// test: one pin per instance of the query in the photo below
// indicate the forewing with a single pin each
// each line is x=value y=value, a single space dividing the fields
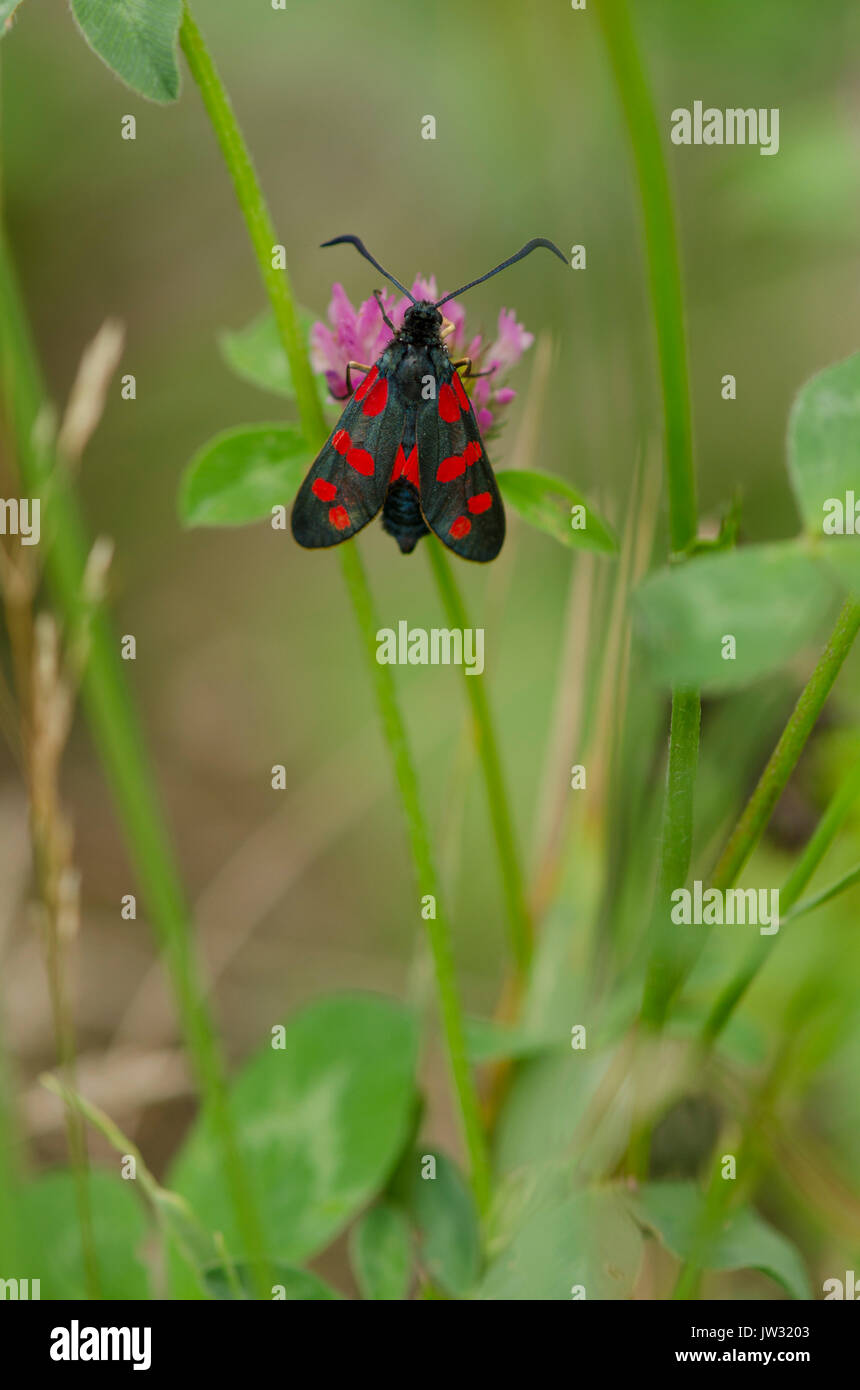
x=346 y=485
x=459 y=495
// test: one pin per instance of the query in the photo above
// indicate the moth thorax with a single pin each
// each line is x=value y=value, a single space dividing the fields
x=422 y=323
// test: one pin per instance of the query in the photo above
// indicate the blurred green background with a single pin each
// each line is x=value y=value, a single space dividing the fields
x=247 y=652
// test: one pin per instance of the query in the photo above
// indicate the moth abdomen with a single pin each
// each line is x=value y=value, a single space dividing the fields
x=401 y=515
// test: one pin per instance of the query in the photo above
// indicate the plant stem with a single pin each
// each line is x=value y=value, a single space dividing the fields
x=664 y=272
x=664 y=276
x=277 y=285
x=10 y=1177
x=117 y=734
x=817 y=846
x=781 y=763
x=826 y=895
x=255 y=211
x=427 y=881
x=676 y=838
x=519 y=922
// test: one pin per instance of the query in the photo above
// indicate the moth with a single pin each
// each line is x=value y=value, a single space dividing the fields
x=408 y=441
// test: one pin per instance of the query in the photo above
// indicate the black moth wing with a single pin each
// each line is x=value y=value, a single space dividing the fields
x=347 y=482
x=460 y=498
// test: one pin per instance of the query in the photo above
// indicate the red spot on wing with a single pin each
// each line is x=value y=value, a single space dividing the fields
x=339 y=518
x=323 y=490
x=367 y=384
x=461 y=527
x=449 y=406
x=410 y=467
x=341 y=441
x=361 y=461
x=480 y=502
x=472 y=452
x=451 y=467
x=375 y=402
x=406 y=467
x=460 y=391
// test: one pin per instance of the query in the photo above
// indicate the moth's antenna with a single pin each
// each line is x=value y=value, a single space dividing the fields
x=363 y=251
x=523 y=251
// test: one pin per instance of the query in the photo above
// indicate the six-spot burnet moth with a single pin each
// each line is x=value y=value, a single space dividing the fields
x=408 y=442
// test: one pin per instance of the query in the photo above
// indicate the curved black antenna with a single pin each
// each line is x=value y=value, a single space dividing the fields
x=523 y=251
x=363 y=251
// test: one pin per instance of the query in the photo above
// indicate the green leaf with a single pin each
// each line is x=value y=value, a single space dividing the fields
x=545 y=1107
x=442 y=1210
x=488 y=1041
x=240 y=475
x=172 y=1211
x=381 y=1254
x=842 y=555
x=544 y=501
x=137 y=39
x=7 y=11
x=824 y=441
x=770 y=598
x=256 y=353
x=48 y=1215
x=321 y=1122
x=586 y=1238
x=744 y=1241
x=297 y=1284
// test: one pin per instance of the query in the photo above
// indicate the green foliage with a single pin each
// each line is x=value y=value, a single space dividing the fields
x=488 y=1041
x=545 y=501
x=548 y=1239
x=7 y=12
x=137 y=39
x=823 y=449
x=321 y=1123
x=545 y=1106
x=770 y=598
x=297 y=1284
x=381 y=1253
x=171 y=1211
x=824 y=440
x=674 y=1210
x=442 y=1210
x=241 y=474
x=842 y=554
x=256 y=354
x=48 y=1221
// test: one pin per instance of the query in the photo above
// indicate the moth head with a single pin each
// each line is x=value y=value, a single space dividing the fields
x=423 y=316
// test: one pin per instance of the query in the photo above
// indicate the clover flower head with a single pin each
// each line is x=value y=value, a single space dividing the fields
x=359 y=335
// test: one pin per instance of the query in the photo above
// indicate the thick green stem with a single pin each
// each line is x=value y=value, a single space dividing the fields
x=117 y=733
x=783 y=759
x=438 y=930
x=519 y=922
x=278 y=289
